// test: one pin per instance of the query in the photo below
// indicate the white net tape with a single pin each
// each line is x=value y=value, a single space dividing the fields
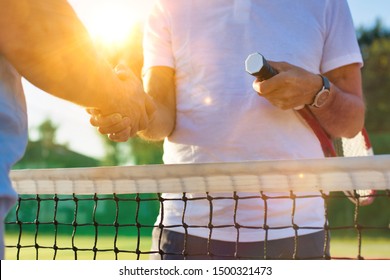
x=330 y=174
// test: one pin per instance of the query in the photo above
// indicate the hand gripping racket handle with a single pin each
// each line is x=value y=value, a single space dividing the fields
x=258 y=66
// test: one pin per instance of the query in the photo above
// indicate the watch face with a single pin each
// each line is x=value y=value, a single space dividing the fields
x=322 y=97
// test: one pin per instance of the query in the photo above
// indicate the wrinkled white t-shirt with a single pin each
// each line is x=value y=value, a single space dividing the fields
x=220 y=117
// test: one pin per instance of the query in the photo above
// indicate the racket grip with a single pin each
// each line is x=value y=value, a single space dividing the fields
x=258 y=66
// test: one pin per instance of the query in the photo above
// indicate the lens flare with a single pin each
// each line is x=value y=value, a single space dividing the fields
x=112 y=22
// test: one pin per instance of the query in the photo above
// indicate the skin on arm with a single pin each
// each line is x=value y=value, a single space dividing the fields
x=160 y=86
x=159 y=83
x=344 y=112
x=48 y=45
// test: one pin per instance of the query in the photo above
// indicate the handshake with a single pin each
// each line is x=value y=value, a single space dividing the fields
x=127 y=111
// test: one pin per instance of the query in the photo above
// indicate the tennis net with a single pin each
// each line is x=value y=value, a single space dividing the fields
x=110 y=212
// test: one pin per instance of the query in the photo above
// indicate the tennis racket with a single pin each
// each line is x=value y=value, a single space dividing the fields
x=360 y=145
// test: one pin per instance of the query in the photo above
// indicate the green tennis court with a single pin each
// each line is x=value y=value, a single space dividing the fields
x=372 y=248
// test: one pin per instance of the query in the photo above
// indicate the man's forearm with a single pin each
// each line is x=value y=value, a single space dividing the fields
x=46 y=42
x=343 y=115
x=159 y=84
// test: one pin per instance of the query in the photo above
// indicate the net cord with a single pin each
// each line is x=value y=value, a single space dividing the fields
x=328 y=174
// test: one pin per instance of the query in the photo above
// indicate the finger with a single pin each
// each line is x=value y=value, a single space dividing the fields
x=259 y=87
x=134 y=131
x=93 y=111
x=93 y=122
x=115 y=128
x=122 y=136
x=108 y=120
x=95 y=117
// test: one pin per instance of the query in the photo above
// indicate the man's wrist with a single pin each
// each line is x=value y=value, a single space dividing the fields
x=322 y=96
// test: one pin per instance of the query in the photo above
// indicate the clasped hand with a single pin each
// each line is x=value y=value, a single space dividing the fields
x=131 y=114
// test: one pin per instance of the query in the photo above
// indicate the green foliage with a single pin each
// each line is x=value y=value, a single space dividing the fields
x=367 y=36
x=376 y=85
x=115 y=153
x=145 y=152
x=380 y=142
x=135 y=151
x=375 y=45
x=39 y=156
x=46 y=153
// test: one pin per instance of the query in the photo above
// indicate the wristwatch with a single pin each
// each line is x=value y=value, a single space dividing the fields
x=323 y=95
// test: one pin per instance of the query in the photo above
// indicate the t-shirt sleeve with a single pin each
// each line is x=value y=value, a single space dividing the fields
x=157 y=38
x=341 y=46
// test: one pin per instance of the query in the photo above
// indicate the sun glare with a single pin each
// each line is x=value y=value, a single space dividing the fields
x=111 y=22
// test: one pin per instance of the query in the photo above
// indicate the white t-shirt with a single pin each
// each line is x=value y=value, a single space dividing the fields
x=13 y=125
x=220 y=117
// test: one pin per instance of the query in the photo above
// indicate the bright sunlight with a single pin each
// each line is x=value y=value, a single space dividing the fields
x=111 y=22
